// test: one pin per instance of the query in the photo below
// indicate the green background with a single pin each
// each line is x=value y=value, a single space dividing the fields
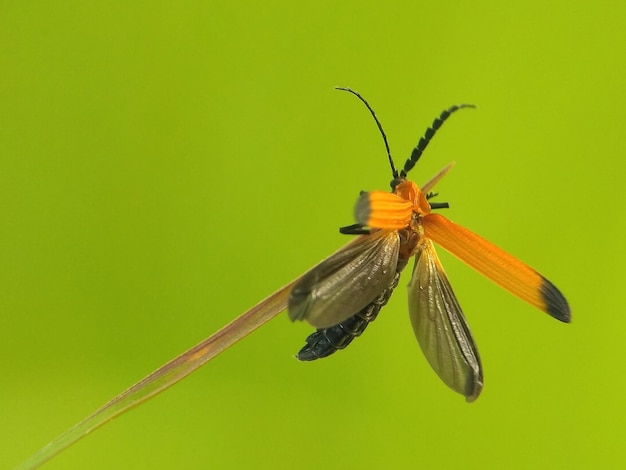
x=163 y=168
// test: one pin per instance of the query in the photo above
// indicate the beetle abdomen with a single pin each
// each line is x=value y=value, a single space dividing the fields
x=325 y=341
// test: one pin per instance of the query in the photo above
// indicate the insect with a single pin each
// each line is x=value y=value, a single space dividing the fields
x=344 y=293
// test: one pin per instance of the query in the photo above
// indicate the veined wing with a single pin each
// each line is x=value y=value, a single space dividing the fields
x=440 y=327
x=346 y=281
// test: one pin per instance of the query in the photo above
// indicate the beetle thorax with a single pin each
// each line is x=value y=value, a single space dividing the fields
x=409 y=191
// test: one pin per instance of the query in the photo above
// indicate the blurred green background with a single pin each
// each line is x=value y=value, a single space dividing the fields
x=164 y=167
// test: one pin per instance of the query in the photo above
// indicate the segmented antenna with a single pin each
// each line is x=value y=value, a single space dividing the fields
x=428 y=135
x=380 y=128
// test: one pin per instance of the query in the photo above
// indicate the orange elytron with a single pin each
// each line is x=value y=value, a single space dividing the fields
x=343 y=293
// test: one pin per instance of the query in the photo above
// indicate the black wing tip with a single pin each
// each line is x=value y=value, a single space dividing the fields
x=556 y=305
x=363 y=209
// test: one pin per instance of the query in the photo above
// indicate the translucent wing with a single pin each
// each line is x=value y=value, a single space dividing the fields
x=346 y=281
x=440 y=327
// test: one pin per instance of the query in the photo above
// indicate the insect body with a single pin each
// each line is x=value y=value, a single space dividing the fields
x=345 y=292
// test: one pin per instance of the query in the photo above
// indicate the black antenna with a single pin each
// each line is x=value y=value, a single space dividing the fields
x=429 y=134
x=380 y=128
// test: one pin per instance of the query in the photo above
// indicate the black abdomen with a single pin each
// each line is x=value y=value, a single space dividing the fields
x=325 y=341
